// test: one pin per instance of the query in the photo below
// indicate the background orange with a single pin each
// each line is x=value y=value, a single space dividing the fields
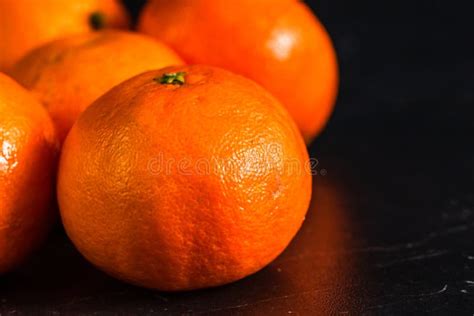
x=26 y=24
x=279 y=44
x=67 y=75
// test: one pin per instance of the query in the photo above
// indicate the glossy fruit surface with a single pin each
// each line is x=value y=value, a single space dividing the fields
x=27 y=24
x=184 y=178
x=28 y=155
x=279 y=44
x=67 y=75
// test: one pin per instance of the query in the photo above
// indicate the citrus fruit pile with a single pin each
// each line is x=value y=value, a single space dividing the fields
x=177 y=154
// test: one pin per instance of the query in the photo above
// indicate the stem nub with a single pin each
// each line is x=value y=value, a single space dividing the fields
x=175 y=78
x=97 y=20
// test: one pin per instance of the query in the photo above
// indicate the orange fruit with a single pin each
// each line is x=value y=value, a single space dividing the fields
x=279 y=44
x=28 y=154
x=26 y=24
x=183 y=178
x=67 y=75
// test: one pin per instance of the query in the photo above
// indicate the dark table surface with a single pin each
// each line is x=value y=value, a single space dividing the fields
x=391 y=226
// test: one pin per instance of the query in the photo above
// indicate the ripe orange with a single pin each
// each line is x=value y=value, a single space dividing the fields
x=183 y=178
x=26 y=24
x=67 y=75
x=279 y=44
x=28 y=152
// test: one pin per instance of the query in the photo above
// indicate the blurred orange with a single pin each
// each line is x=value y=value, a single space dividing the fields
x=26 y=24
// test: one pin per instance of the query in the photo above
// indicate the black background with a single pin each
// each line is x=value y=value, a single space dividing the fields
x=391 y=227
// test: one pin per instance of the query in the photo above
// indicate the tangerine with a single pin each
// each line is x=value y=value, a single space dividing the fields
x=183 y=178
x=67 y=75
x=279 y=44
x=26 y=24
x=28 y=155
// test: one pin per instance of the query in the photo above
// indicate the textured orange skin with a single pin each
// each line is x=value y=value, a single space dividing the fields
x=137 y=201
x=26 y=24
x=69 y=74
x=28 y=155
x=279 y=44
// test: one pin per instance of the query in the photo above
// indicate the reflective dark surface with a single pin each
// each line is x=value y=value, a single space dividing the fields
x=390 y=231
x=391 y=227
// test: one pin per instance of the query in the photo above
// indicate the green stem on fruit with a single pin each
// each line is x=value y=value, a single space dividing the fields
x=175 y=78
